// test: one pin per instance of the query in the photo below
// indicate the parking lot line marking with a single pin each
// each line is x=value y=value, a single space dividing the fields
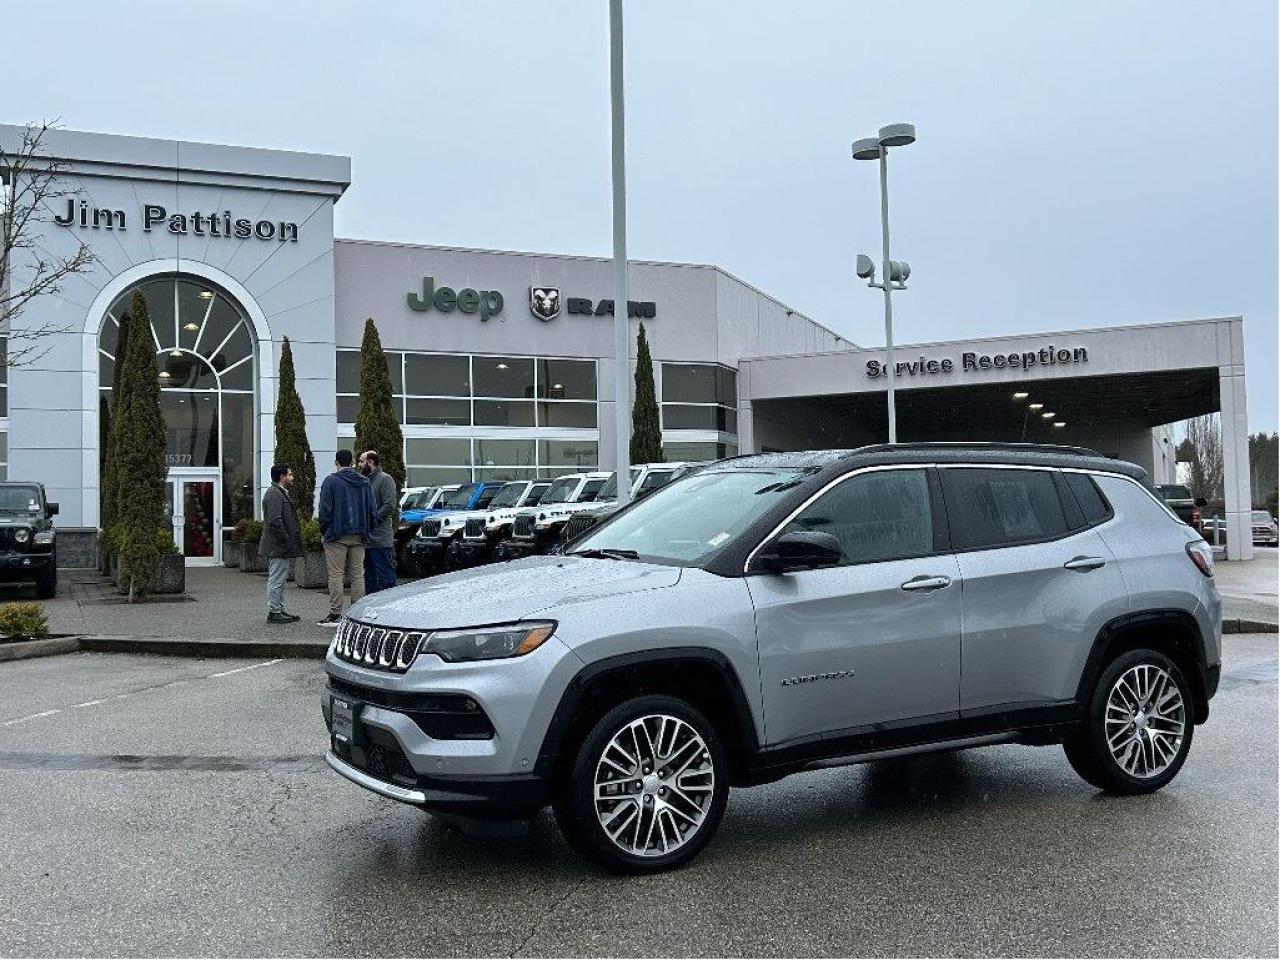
x=254 y=666
x=89 y=703
x=32 y=716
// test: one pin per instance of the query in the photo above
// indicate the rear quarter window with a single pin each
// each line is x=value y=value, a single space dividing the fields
x=1092 y=503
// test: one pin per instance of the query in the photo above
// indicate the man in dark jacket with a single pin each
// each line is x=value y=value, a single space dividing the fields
x=281 y=541
x=346 y=517
x=379 y=568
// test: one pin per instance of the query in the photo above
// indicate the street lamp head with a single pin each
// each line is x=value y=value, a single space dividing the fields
x=867 y=148
x=865 y=267
x=897 y=135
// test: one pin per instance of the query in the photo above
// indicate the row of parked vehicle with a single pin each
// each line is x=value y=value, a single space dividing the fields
x=459 y=525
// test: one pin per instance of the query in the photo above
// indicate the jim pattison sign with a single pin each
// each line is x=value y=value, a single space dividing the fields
x=971 y=361
x=199 y=224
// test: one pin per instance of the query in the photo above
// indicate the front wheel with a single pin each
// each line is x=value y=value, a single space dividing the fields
x=1137 y=731
x=647 y=787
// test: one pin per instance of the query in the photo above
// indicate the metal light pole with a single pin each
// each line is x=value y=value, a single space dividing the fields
x=877 y=148
x=621 y=325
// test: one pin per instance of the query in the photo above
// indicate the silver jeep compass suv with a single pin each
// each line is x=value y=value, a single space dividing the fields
x=776 y=613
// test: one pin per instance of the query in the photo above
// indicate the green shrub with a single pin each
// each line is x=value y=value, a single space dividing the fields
x=23 y=621
x=311 y=538
x=238 y=531
x=165 y=544
x=646 y=433
x=252 y=531
x=292 y=446
x=112 y=538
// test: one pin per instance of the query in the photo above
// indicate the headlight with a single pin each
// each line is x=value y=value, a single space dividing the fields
x=44 y=537
x=22 y=535
x=404 y=526
x=489 y=643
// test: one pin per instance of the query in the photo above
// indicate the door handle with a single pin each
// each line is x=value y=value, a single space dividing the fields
x=1085 y=564
x=927 y=583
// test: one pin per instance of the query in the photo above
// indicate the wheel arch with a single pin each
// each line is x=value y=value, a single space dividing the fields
x=703 y=677
x=1172 y=632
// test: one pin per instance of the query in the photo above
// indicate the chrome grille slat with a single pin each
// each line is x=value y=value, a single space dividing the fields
x=474 y=530
x=430 y=528
x=523 y=526
x=379 y=648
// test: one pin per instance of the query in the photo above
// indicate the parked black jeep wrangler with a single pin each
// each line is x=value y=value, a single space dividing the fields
x=28 y=549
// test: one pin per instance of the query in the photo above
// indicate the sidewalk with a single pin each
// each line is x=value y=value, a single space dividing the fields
x=224 y=612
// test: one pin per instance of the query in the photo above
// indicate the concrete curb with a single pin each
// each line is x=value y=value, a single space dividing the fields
x=1239 y=625
x=26 y=649
x=206 y=649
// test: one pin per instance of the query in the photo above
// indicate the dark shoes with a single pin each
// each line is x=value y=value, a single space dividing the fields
x=282 y=617
x=332 y=620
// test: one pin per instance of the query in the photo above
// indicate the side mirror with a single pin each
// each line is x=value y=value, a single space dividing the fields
x=1201 y=502
x=800 y=550
x=51 y=509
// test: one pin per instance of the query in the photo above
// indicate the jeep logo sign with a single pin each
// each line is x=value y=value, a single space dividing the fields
x=487 y=303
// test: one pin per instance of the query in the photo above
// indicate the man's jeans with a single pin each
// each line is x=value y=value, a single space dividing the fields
x=344 y=560
x=379 y=570
x=277 y=574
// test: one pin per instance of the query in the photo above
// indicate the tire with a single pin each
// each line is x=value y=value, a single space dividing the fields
x=679 y=732
x=47 y=581
x=1150 y=746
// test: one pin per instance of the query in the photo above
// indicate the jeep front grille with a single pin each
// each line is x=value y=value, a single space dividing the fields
x=430 y=528
x=578 y=524
x=523 y=527
x=378 y=648
x=474 y=530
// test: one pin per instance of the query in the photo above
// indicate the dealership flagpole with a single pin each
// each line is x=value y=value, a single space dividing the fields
x=621 y=324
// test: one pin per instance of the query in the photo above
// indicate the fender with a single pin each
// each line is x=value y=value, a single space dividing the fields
x=738 y=705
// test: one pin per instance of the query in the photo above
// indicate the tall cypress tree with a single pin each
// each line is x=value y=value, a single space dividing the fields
x=107 y=492
x=377 y=426
x=646 y=432
x=292 y=446
x=139 y=456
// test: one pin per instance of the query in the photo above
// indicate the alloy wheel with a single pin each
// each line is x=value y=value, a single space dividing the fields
x=654 y=785
x=1145 y=721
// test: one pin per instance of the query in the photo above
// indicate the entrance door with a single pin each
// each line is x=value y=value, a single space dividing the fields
x=197 y=522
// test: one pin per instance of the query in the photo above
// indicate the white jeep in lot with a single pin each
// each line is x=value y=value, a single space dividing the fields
x=537 y=530
x=467 y=535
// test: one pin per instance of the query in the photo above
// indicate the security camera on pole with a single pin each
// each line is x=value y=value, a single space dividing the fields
x=894 y=273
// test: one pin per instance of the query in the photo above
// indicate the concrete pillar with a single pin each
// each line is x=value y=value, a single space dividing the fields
x=1235 y=453
x=746 y=428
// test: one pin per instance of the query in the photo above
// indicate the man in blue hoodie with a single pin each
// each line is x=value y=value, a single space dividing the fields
x=346 y=516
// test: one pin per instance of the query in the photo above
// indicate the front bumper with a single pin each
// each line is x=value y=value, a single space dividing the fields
x=469 y=553
x=428 y=551
x=18 y=566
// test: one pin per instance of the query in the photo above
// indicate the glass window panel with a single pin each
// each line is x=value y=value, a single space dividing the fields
x=505 y=473
x=185 y=370
x=503 y=377
x=504 y=453
x=989 y=508
x=109 y=338
x=568 y=453
x=395 y=367
x=106 y=371
x=4 y=357
x=223 y=318
x=239 y=346
x=4 y=447
x=159 y=297
x=690 y=382
x=443 y=450
x=727 y=386
x=438 y=375
x=348 y=371
x=679 y=417
x=194 y=302
x=348 y=409
x=567 y=379
x=566 y=414
x=239 y=377
x=443 y=413
x=878 y=516
x=697 y=452
x=503 y=413
x=238 y=489
x=190 y=428
x=425 y=476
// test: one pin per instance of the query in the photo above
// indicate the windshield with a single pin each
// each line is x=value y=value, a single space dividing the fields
x=1173 y=491
x=419 y=500
x=508 y=495
x=610 y=491
x=437 y=500
x=536 y=494
x=561 y=491
x=687 y=521
x=457 y=498
x=591 y=491
x=1261 y=516
x=19 y=499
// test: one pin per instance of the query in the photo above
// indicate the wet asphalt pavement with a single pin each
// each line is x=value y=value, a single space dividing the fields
x=180 y=807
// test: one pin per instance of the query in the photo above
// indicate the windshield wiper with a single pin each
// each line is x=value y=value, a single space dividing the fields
x=606 y=553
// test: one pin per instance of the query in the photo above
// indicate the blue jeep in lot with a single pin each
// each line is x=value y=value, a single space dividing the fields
x=425 y=553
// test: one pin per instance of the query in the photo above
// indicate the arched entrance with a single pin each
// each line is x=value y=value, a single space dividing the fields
x=205 y=351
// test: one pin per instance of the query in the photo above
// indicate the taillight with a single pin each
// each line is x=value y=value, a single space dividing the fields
x=1201 y=555
x=1195 y=517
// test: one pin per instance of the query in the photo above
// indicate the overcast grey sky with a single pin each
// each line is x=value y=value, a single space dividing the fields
x=1079 y=164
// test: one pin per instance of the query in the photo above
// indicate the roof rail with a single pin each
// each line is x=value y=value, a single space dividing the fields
x=980 y=445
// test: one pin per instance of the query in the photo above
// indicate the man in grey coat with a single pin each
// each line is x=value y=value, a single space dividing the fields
x=379 y=567
x=281 y=541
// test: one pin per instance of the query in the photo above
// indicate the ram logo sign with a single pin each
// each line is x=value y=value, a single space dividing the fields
x=544 y=303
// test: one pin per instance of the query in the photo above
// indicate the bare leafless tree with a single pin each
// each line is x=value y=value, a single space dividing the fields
x=1205 y=440
x=32 y=186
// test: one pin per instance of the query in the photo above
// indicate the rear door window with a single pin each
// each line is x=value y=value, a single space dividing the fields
x=994 y=508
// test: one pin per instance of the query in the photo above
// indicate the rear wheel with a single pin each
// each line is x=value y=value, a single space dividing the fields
x=647 y=787
x=1138 y=727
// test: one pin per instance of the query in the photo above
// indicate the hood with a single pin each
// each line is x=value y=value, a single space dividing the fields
x=506 y=592
x=349 y=476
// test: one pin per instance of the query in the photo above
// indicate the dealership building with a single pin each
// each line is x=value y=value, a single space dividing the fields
x=501 y=362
